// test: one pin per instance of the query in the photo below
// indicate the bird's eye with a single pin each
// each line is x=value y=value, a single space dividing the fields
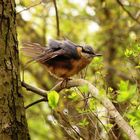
x=87 y=50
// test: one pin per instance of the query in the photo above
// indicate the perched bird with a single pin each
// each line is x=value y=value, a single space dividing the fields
x=63 y=59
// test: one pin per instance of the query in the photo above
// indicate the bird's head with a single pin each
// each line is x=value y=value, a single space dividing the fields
x=88 y=53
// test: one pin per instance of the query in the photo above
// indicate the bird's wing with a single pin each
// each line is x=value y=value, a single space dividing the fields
x=42 y=54
x=55 y=44
x=32 y=49
x=49 y=54
x=63 y=49
x=68 y=47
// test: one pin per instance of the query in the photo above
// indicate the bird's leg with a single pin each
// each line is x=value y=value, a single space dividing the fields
x=64 y=82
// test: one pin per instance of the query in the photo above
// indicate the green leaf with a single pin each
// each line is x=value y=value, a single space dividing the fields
x=125 y=91
x=83 y=122
x=129 y=52
x=134 y=117
x=92 y=104
x=73 y=96
x=123 y=85
x=53 y=98
x=133 y=50
x=123 y=96
x=110 y=89
x=109 y=126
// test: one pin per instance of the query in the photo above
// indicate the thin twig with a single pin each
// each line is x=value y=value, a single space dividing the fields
x=92 y=113
x=29 y=7
x=36 y=102
x=57 y=18
x=130 y=15
x=67 y=121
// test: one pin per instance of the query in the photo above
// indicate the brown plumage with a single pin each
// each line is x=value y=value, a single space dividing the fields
x=63 y=59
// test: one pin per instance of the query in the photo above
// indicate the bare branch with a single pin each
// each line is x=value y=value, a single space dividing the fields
x=100 y=97
x=36 y=102
x=130 y=15
x=57 y=18
x=35 y=89
x=29 y=7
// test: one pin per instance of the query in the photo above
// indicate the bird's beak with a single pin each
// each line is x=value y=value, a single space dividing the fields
x=96 y=55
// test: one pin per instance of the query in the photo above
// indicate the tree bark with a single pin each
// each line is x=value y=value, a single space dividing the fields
x=13 y=124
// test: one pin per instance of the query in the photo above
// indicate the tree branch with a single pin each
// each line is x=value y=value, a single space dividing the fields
x=29 y=7
x=57 y=18
x=101 y=98
x=35 y=89
x=130 y=15
x=36 y=102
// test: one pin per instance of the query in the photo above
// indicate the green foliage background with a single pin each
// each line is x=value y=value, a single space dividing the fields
x=112 y=32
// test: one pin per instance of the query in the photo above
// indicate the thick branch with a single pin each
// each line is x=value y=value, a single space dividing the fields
x=101 y=98
x=35 y=89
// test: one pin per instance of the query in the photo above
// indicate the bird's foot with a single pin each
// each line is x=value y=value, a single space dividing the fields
x=64 y=82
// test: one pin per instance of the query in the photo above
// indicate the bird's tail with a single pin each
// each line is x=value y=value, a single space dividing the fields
x=32 y=50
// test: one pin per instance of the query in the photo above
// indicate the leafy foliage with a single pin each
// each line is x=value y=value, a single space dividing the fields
x=125 y=91
x=134 y=49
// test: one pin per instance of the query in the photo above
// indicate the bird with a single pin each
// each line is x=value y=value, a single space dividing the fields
x=62 y=58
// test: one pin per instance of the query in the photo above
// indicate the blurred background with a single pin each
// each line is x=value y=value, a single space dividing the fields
x=113 y=29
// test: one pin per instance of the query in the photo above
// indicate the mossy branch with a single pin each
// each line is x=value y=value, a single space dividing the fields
x=103 y=99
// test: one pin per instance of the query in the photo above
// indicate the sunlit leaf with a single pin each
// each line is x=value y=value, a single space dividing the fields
x=92 y=104
x=128 y=53
x=53 y=98
x=73 y=96
x=134 y=117
x=125 y=91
